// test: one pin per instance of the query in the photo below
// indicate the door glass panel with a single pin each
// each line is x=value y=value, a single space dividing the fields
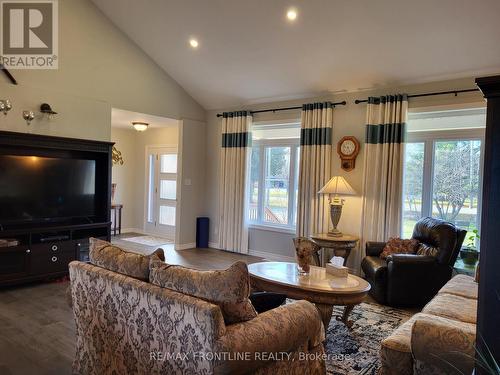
x=277 y=177
x=167 y=215
x=412 y=186
x=168 y=163
x=168 y=189
x=456 y=187
x=151 y=184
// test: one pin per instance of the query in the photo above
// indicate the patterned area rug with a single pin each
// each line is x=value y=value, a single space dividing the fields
x=356 y=351
x=148 y=240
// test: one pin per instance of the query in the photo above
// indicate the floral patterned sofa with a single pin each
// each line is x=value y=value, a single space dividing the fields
x=125 y=325
x=438 y=340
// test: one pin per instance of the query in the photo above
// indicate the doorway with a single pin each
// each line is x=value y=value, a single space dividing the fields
x=161 y=191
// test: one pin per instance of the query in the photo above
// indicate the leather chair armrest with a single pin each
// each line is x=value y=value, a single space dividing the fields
x=284 y=329
x=407 y=260
x=374 y=249
x=444 y=343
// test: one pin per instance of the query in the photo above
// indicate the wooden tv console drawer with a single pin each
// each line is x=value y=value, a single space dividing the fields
x=52 y=257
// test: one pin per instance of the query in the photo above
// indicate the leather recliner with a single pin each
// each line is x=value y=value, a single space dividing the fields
x=411 y=279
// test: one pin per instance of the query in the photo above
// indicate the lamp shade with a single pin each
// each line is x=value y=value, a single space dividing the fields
x=337 y=185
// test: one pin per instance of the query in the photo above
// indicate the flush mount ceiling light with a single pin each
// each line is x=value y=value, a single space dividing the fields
x=291 y=14
x=140 y=126
x=193 y=43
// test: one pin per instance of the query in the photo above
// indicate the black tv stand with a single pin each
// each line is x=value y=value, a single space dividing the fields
x=45 y=249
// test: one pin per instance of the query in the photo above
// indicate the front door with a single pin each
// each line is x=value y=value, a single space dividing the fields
x=161 y=202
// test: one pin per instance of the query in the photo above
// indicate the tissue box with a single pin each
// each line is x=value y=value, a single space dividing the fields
x=338 y=271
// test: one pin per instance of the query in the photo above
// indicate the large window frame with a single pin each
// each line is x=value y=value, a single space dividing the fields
x=262 y=145
x=429 y=139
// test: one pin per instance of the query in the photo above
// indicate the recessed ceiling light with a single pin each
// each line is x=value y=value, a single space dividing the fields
x=193 y=43
x=291 y=14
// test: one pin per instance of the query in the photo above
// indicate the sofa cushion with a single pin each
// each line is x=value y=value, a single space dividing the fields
x=113 y=258
x=453 y=307
x=399 y=246
x=461 y=285
x=444 y=344
x=229 y=289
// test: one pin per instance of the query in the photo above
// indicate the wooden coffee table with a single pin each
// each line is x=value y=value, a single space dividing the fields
x=319 y=287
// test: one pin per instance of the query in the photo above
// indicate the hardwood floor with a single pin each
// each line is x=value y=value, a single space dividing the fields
x=37 y=332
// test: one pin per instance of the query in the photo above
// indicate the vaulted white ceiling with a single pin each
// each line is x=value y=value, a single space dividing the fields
x=250 y=53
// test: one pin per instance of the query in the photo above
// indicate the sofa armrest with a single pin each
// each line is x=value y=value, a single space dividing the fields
x=444 y=343
x=374 y=249
x=284 y=329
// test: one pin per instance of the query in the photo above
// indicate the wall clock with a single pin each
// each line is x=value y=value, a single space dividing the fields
x=348 y=150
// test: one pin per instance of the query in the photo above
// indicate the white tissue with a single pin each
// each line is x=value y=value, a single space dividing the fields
x=338 y=261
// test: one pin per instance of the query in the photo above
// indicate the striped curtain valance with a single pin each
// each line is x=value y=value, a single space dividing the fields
x=235 y=133
x=384 y=121
x=236 y=140
x=320 y=105
x=236 y=114
x=316 y=136
x=387 y=99
x=386 y=133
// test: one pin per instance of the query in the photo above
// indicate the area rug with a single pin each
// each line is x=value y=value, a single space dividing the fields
x=148 y=240
x=356 y=351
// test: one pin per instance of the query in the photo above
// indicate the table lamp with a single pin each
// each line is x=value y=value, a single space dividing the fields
x=336 y=186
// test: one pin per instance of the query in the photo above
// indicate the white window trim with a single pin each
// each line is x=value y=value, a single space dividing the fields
x=429 y=138
x=294 y=144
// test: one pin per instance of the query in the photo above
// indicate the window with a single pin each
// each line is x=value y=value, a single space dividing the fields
x=442 y=170
x=274 y=176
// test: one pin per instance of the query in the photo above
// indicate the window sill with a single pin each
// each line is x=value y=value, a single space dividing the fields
x=273 y=228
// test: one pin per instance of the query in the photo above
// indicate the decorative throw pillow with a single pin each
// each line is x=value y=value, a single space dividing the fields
x=424 y=249
x=399 y=246
x=229 y=289
x=113 y=258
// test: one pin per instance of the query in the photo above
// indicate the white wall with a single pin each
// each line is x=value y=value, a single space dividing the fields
x=348 y=120
x=125 y=176
x=99 y=68
x=192 y=180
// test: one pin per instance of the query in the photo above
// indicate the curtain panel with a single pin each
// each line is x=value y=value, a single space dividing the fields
x=235 y=150
x=315 y=168
x=383 y=167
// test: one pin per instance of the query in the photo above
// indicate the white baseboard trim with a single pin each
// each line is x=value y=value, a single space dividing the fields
x=213 y=245
x=185 y=246
x=133 y=230
x=271 y=256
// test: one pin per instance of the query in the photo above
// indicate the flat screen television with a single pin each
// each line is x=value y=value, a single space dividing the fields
x=46 y=189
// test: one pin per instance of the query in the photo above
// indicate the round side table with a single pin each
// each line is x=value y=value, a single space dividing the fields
x=340 y=246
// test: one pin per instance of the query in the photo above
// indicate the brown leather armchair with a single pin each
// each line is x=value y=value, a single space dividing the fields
x=411 y=279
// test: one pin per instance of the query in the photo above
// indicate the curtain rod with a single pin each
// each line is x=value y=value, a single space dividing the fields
x=456 y=92
x=283 y=109
x=8 y=74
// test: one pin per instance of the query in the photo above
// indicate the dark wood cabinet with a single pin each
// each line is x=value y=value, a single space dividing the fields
x=46 y=248
x=38 y=259
x=14 y=262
